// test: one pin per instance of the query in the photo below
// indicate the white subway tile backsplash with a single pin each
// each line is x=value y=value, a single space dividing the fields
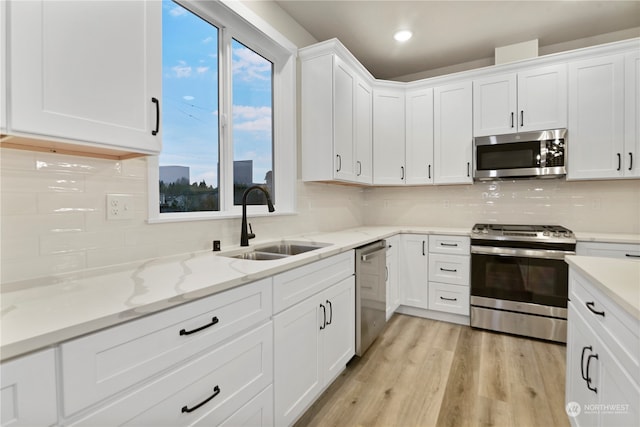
x=53 y=217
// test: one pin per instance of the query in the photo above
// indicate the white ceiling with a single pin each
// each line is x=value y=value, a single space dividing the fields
x=453 y=32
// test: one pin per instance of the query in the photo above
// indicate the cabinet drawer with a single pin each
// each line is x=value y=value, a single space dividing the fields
x=204 y=391
x=294 y=286
x=454 y=245
x=449 y=298
x=101 y=364
x=28 y=390
x=449 y=269
x=258 y=412
x=618 y=329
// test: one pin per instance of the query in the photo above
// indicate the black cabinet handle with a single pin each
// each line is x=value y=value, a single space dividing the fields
x=593 y=389
x=521 y=118
x=447 y=270
x=216 y=391
x=590 y=306
x=449 y=299
x=339 y=163
x=468 y=169
x=155 y=101
x=619 y=161
x=193 y=331
x=330 y=312
x=324 y=317
x=423 y=252
x=402 y=169
x=429 y=171
x=584 y=376
x=453 y=245
x=632 y=256
x=630 y=161
x=359 y=167
x=512 y=120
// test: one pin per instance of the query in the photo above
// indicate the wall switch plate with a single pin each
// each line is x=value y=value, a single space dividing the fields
x=119 y=206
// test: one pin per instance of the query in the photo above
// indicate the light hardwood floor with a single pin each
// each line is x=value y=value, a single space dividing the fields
x=422 y=372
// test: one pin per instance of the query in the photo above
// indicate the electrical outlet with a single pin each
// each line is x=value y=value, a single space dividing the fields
x=119 y=206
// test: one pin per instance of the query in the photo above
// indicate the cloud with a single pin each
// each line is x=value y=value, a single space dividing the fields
x=188 y=98
x=182 y=70
x=202 y=70
x=177 y=11
x=207 y=40
x=248 y=65
x=251 y=119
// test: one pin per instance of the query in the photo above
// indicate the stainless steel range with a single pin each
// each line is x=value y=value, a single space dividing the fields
x=519 y=280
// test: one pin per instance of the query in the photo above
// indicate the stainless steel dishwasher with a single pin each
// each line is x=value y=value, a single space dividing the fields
x=371 y=293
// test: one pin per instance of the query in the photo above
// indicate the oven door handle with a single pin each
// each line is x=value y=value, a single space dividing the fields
x=520 y=252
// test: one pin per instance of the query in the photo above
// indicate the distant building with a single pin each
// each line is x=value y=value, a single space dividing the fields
x=170 y=174
x=243 y=172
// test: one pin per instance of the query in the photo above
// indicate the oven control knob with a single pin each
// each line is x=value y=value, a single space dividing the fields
x=556 y=234
x=485 y=231
x=545 y=233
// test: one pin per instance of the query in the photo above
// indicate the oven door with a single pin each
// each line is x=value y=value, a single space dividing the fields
x=534 y=276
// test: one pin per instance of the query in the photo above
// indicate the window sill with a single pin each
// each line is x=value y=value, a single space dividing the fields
x=199 y=216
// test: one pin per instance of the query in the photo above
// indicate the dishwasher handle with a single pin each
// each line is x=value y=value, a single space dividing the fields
x=373 y=251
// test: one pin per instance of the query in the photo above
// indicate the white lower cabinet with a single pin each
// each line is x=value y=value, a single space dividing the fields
x=28 y=390
x=203 y=391
x=603 y=371
x=449 y=269
x=449 y=298
x=258 y=412
x=102 y=364
x=414 y=265
x=313 y=341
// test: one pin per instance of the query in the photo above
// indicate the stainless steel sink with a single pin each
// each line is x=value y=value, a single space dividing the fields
x=288 y=248
x=275 y=250
x=259 y=256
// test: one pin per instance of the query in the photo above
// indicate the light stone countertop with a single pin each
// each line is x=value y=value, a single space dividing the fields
x=607 y=237
x=39 y=313
x=43 y=312
x=619 y=279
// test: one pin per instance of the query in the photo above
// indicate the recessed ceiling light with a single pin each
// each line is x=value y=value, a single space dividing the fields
x=402 y=35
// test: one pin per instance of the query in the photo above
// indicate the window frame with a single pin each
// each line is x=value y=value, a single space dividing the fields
x=236 y=21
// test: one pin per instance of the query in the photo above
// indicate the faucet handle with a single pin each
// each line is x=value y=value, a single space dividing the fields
x=250 y=235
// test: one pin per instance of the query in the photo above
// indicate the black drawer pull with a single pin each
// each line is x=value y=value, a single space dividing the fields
x=155 y=101
x=330 y=312
x=193 y=331
x=449 y=299
x=632 y=256
x=590 y=306
x=584 y=376
x=324 y=317
x=452 y=245
x=447 y=270
x=593 y=389
x=619 y=161
x=216 y=391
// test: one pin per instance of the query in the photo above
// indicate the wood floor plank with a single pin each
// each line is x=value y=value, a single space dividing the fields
x=422 y=372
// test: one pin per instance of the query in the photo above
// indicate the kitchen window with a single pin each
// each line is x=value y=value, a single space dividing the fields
x=228 y=114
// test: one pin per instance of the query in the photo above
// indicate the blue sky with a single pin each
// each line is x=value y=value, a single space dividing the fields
x=190 y=98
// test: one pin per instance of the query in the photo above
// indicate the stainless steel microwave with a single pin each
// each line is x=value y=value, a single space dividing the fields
x=540 y=154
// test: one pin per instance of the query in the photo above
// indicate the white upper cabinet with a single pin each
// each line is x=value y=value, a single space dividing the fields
x=596 y=118
x=85 y=72
x=336 y=116
x=364 y=132
x=419 y=137
x=388 y=136
x=453 y=118
x=631 y=155
x=530 y=100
